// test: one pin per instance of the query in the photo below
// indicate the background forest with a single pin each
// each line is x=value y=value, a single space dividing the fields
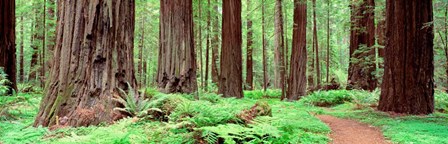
x=155 y=114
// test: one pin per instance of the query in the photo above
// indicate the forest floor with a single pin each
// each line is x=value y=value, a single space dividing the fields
x=345 y=131
x=217 y=120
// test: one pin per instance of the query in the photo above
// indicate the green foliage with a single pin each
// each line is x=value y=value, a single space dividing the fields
x=134 y=105
x=3 y=82
x=327 y=98
x=260 y=94
x=441 y=101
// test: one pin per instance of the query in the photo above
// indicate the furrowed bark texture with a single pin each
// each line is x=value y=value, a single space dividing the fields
x=408 y=84
x=297 y=79
x=177 y=62
x=93 y=58
x=362 y=53
x=231 y=54
x=7 y=41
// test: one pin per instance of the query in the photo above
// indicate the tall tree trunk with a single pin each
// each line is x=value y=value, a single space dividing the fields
x=286 y=42
x=265 y=64
x=201 y=63
x=42 y=56
x=249 y=60
x=231 y=55
x=297 y=78
x=328 y=42
x=215 y=46
x=140 y=55
x=22 y=55
x=7 y=42
x=93 y=58
x=177 y=61
x=316 y=46
x=408 y=84
x=207 y=51
x=362 y=52
x=279 y=47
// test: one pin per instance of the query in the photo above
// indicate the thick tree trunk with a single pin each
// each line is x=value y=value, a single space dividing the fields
x=249 y=58
x=297 y=78
x=7 y=42
x=215 y=47
x=265 y=64
x=93 y=58
x=279 y=47
x=177 y=61
x=316 y=47
x=231 y=56
x=362 y=52
x=408 y=84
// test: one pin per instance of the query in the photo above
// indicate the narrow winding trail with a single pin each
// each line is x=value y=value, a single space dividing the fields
x=352 y=132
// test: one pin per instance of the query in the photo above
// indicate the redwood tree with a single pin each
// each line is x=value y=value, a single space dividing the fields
x=408 y=84
x=279 y=48
x=249 y=58
x=231 y=79
x=177 y=62
x=362 y=40
x=93 y=59
x=297 y=79
x=7 y=41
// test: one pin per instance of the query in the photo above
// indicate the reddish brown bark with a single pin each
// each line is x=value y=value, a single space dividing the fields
x=249 y=58
x=177 y=60
x=265 y=64
x=93 y=58
x=362 y=52
x=231 y=55
x=408 y=84
x=22 y=55
x=297 y=78
x=7 y=42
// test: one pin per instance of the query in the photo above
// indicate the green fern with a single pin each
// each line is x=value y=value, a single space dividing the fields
x=133 y=105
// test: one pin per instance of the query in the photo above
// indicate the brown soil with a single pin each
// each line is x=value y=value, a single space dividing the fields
x=352 y=132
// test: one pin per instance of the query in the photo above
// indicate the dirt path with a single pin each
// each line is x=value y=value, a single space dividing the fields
x=352 y=132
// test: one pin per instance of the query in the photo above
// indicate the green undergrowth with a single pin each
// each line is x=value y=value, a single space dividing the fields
x=180 y=118
x=361 y=106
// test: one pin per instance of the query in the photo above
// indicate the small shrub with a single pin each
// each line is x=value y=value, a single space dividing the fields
x=260 y=94
x=133 y=104
x=327 y=98
x=4 y=88
x=441 y=101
